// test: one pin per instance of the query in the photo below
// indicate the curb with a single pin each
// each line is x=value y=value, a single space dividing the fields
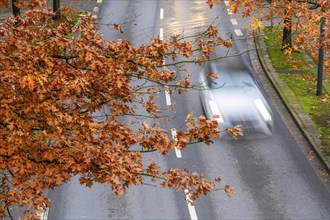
x=303 y=121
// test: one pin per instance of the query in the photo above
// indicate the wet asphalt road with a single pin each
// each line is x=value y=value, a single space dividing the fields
x=272 y=177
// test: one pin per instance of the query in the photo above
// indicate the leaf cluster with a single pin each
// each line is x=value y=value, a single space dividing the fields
x=302 y=17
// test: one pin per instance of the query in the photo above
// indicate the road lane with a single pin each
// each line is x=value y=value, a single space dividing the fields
x=73 y=201
x=272 y=177
x=138 y=20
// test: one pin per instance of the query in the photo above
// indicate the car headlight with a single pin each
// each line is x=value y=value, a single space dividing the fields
x=215 y=111
x=262 y=110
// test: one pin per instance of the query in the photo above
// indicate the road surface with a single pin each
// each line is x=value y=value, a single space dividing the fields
x=272 y=177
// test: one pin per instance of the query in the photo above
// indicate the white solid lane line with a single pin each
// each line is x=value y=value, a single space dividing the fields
x=161 y=14
x=238 y=32
x=191 y=208
x=233 y=21
x=177 y=151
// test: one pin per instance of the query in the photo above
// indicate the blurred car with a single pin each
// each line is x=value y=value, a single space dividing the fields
x=234 y=98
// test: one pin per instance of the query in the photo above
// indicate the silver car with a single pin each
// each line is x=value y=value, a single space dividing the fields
x=235 y=99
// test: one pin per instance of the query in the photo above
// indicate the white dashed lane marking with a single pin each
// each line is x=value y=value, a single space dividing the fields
x=191 y=208
x=44 y=215
x=233 y=21
x=168 y=96
x=161 y=34
x=161 y=14
x=177 y=151
x=238 y=32
x=229 y=11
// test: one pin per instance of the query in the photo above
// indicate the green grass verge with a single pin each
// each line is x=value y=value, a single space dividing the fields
x=302 y=81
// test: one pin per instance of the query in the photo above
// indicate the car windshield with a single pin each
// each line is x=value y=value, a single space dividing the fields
x=232 y=80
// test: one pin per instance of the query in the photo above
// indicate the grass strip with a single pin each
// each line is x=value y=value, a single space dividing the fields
x=300 y=76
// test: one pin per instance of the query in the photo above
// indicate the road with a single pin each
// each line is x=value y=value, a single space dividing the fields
x=272 y=177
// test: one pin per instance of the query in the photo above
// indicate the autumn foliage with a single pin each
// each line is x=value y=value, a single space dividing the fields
x=23 y=3
x=66 y=96
x=301 y=17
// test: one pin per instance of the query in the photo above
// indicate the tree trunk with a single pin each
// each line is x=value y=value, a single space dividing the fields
x=56 y=9
x=16 y=10
x=287 y=34
x=320 y=59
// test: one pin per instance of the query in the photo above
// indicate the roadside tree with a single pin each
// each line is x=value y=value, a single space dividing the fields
x=64 y=92
x=301 y=20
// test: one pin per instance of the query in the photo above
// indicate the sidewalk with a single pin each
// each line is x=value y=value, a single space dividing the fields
x=90 y=6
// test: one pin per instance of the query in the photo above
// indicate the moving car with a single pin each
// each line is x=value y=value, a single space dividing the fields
x=234 y=98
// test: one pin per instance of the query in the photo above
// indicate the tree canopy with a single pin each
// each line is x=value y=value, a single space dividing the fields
x=64 y=92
